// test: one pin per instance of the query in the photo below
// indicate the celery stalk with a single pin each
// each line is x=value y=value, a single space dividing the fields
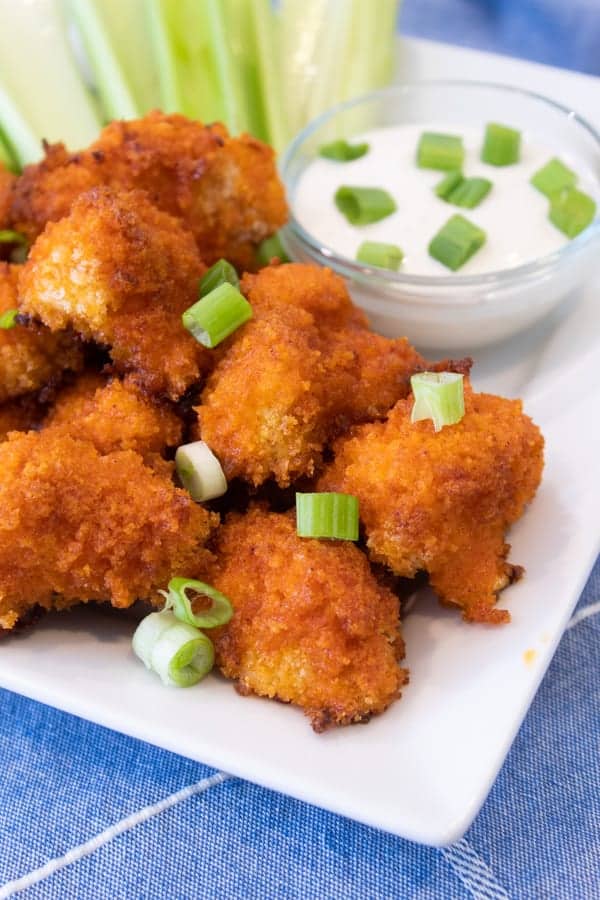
x=20 y=144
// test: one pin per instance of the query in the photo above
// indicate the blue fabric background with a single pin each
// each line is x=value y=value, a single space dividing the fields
x=64 y=780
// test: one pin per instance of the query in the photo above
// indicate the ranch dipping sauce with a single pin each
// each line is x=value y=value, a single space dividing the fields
x=514 y=214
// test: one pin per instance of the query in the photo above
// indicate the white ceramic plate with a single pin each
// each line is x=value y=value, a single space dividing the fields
x=424 y=768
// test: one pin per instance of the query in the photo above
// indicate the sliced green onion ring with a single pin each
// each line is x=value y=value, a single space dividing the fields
x=456 y=242
x=221 y=273
x=465 y=192
x=217 y=315
x=553 y=177
x=364 y=205
x=218 y=613
x=440 y=151
x=501 y=145
x=8 y=236
x=177 y=652
x=8 y=319
x=572 y=211
x=327 y=515
x=449 y=182
x=200 y=471
x=384 y=256
x=271 y=248
x=439 y=396
x=342 y=151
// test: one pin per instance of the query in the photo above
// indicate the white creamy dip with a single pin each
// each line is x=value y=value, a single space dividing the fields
x=514 y=215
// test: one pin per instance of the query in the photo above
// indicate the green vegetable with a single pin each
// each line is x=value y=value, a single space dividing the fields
x=178 y=653
x=439 y=396
x=342 y=151
x=222 y=272
x=214 y=317
x=327 y=515
x=572 y=211
x=363 y=205
x=501 y=145
x=269 y=249
x=200 y=471
x=444 y=188
x=461 y=191
x=553 y=177
x=385 y=256
x=440 y=151
x=456 y=242
x=8 y=319
x=218 y=612
x=8 y=236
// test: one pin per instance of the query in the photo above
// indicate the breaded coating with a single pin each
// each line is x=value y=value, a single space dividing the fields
x=18 y=415
x=312 y=626
x=30 y=356
x=121 y=272
x=7 y=183
x=268 y=407
x=77 y=526
x=115 y=415
x=442 y=502
x=225 y=189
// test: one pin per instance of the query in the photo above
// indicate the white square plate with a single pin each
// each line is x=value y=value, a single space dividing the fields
x=423 y=769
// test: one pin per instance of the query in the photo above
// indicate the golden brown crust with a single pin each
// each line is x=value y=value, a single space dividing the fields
x=442 y=502
x=311 y=625
x=7 y=183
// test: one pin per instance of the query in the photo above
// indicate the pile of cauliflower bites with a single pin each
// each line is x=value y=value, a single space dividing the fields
x=100 y=383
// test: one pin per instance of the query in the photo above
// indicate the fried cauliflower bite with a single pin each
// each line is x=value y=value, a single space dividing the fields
x=30 y=356
x=121 y=272
x=226 y=190
x=78 y=526
x=311 y=624
x=115 y=415
x=443 y=502
x=267 y=409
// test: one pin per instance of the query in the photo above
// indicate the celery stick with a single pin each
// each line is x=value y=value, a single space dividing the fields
x=38 y=72
x=21 y=145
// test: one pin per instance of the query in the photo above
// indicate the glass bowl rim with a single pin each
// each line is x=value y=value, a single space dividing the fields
x=352 y=269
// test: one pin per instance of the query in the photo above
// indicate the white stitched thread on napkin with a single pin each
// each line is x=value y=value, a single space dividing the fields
x=148 y=812
x=474 y=873
x=584 y=613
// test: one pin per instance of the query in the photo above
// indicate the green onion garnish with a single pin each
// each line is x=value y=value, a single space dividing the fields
x=342 y=151
x=438 y=396
x=440 y=151
x=269 y=249
x=553 y=177
x=219 y=612
x=214 y=317
x=327 y=515
x=364 y=205
x=384 y=256
x=200 y=471
x=221 y=273
x=179 y=653
x=456 y=242
x=464 y=192
x=501 y=145
x=571 y=211
x=8 y=236
x=8 y=319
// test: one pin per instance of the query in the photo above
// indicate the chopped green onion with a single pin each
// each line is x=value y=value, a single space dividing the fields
x=438 y=396
x=179 y=653
x=385 y=256
x=269 y=249
x=444 y=188
x=342 y=151
x=456 y=242
x=214 y=317
x=363 y=205
x=501 y=145
x=8 y=236
x=327 y=515
x=221 y=273
x=8 y=319
x=571 y=211
x=200 y=471
x=440 y=151
x=218 y=613
x=470 y=192
x=553 y=177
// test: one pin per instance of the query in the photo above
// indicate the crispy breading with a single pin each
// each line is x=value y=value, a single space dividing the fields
x=311 y=626
x=7 y=183
x=443 y=502
x=115 y=415
x=78 y=526
x=121 y=272
x=225 y=189
x=17 y=415
x=30 y=356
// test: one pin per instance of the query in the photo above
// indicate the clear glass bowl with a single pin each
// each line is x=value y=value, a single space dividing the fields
x=454 y=311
